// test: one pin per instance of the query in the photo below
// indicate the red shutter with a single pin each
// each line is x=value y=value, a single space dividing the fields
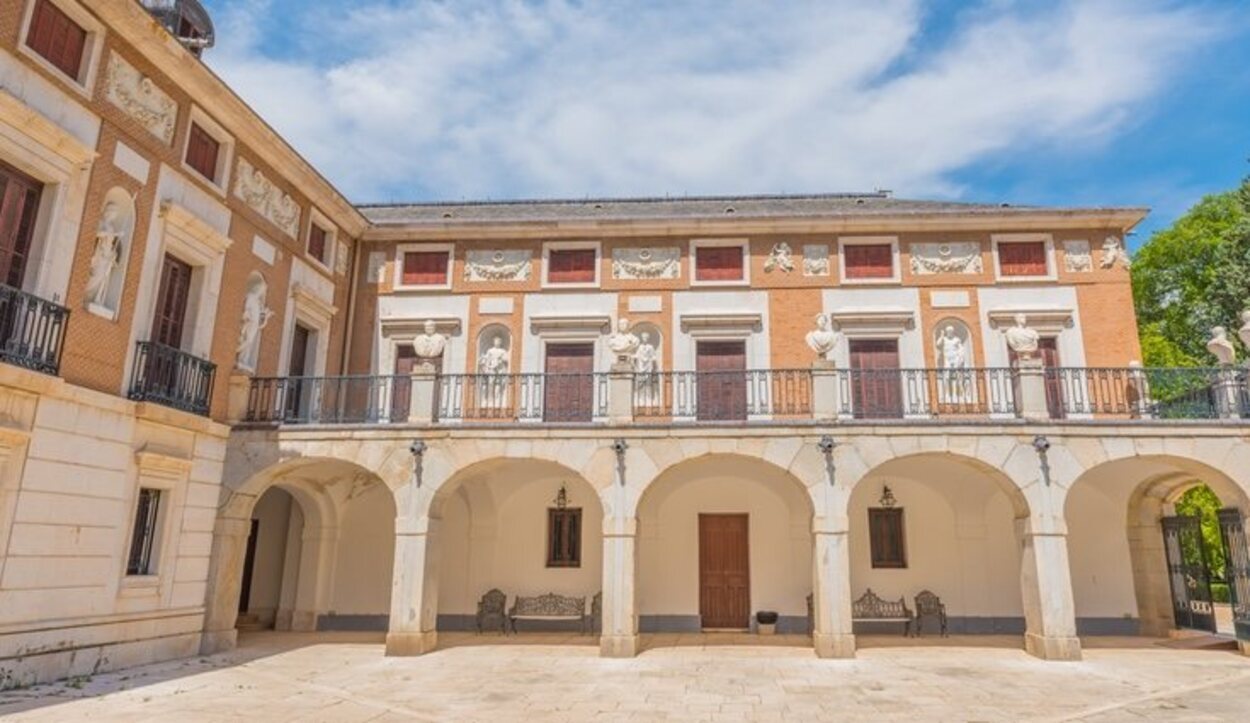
x=202 y=152
x=317 y=243
x=1022 y=258
x=57 y=38
x=718 y=263
x=869 y=261
x=424 y=268
x=571 y=266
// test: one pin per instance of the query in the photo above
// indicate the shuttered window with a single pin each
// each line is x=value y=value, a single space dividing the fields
x=718 y=263
x=571 y=266
x=424 y=268
x=1022 y=258
x=57 y=38
x=564 y=537
x=202 y=150
x=885 y=531
x=317 y=242
x=868 y=261
x=143 y=538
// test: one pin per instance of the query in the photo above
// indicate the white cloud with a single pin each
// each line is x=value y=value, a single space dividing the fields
x=471 y=98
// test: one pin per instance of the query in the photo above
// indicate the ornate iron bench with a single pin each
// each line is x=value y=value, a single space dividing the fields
x=492 y=611
x=548 y=607
x=930 y=605
x=872 y=609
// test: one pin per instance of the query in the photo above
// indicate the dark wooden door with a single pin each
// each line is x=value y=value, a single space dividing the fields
x=299 y=389
x=722 y=380
x=569 y=383
x=249 y=566
x=724 y=571
x=171 y=302
x=19 y=205
x=876 y=384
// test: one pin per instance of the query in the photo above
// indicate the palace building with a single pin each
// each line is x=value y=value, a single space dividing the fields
x=231 y=398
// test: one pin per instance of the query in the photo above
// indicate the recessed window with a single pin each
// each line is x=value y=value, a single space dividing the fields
x=885 y=534
x=1022 y=258
x=424 y=268
x=571 y=266
x=719 y=263
x=869 y=261
x=564 y=537
x=202 y=152
x=318 y=242
x=143 y=539
x=56 y=37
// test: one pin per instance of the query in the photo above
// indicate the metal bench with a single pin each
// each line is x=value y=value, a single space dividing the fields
x=872 y=609
x=548 y=607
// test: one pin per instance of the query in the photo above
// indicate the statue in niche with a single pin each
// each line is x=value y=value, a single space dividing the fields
x=824 y=338
x=646 y=363
x=1021 y=339
x=1244 y=331
x=955 y=384
x=952 y=351
x=429 y=345
x=622 y=342
x=1113 y=252
x=493 y=368
x=780 y=258
x=1223 y=349
x=256 y=316
x=107 y=255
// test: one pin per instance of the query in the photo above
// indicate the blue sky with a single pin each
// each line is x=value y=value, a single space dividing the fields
x=1079 y=102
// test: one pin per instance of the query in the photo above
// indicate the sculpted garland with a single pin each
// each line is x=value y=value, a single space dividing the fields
x=646 y=263
x=497 y=265
x=946 y=258
x=262 y=196
x=139 y=97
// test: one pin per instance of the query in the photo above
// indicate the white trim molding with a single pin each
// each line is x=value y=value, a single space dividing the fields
x=220 y=181
x=873 y=323
x=397 y=283
x=725 y=325
x=741 y=242
x=84 y=82
x=1048 y=239
x=844 y=241
x=317 y=218
x=570 y=326
x=550 y=246
x=1045 y=321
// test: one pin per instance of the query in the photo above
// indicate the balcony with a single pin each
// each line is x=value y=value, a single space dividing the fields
x=756 y=397
x=32 y=331
x=172 y=377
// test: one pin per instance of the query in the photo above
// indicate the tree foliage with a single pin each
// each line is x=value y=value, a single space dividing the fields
x=1202 y=503
x=1192 y=276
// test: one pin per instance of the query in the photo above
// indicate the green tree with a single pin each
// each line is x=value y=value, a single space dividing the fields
x=1192 y=276
x=1202 y=503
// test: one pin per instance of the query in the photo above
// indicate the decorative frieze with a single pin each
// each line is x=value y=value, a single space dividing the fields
x=140 y=98
x=262 y=196
x=1077 y=257
x=498 y=265
x=815 y=260
x=646 y=263
x=946 y=258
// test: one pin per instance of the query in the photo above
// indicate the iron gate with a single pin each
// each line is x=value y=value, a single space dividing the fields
x=1237 y=569
x=1187 y=573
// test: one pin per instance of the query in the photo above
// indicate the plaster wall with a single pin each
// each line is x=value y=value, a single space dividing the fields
x=273 y=513
x=366 y=552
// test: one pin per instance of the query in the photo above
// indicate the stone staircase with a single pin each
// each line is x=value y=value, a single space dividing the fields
x=248 y=622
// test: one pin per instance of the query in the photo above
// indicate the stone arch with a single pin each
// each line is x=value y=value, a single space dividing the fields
x=1016 y=493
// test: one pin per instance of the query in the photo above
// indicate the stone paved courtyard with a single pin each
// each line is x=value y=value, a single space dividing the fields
x=345 y=677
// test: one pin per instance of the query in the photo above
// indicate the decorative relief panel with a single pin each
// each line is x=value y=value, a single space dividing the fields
x=780 y=259
x=259 y=193
x=816 y=260
x=497 y=265
x=140 y=98
x=341 y=260
x=946 y=258
x=1077 y=256
x=646 y=263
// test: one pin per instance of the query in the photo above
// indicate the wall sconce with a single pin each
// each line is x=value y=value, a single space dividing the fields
x=887 y=497
x=562 y=497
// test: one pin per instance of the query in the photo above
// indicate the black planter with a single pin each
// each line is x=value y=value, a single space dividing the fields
x=766 y=617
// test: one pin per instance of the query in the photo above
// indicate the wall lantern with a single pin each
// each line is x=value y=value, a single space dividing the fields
x=887 y=497
x=562 y=497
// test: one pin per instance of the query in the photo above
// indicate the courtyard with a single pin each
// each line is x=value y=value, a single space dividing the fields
x=558 y=677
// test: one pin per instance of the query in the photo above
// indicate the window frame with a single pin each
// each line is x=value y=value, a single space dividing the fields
x=225 y=151
x=550 y=246
x=742 y=243
x=575 y=561
x=397 y=281
x=320 y=220
x=153 y=525
x=93 y=46
x=1010 y=238
x=877 y=557
x=895 y=276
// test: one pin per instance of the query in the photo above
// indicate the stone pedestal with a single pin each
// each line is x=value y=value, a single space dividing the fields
x=1228 y=393
x=832 y=634
x=414 y=588
x=238 y=391
x=826 y=392
x=421 y=393
x=1049 y=611
x=1031 y=389
x=619 y=634
x=225 y=582
x=621 y=393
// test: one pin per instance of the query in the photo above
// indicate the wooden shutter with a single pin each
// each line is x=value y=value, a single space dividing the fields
x=202 y=150
x=422 y=268
x=171 y=302
x=876 y=383
x=57 y=38
x=564 y=537
x=570 y=266
x=569 y=390
x=722 y=380
x=317 y=242
x=718 y=263
x=19 y=207
x=869 y=261
x=886 y=538
x=1022 y=258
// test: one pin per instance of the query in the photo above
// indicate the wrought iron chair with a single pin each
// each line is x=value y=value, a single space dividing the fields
x=491 y=611
x=928 y=604
x=596 y=613
x=811 y=616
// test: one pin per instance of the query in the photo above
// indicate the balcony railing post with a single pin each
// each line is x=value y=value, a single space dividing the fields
x=826 y=394
x=1031 y=389
x=1228 y=393
x=422 y=390
x=239 y=390
x=621 y=393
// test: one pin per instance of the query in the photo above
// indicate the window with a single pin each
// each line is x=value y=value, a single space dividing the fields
x=564 y=537
x=424 y=268
x=885 y=532
x=719 y=263
x=1022 y=258
x=56 y=37
x=143 y=539
x=317 y=237
x=571 y=266
x=19 y=206
x=202 y=152
x=869 y=261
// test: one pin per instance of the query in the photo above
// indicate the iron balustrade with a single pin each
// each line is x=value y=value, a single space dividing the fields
x=32 y=330
x=556 y=398
x=357 y=399
x=723 y=395
x=1151 y=393
x=882 y=394
x=172 y=377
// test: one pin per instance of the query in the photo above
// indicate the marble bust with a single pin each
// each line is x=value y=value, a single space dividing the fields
x=429 y=344
x=1022 y=339
x=622 y=342
x=824 y=338
x=1220 y=346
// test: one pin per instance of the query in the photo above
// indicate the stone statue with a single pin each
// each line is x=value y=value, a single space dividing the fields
x=952 y=353
x=493 y=366
x=1244 y=331
x=622 y=342
x=824 y=338
x=646 y=364
x=429 y=345
x=1223 y=349
x=256 y=316
x=1022 y=340
x=107 y=255
x=1113 y=252
x=779 y=259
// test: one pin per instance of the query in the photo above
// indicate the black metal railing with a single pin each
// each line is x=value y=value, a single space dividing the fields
x=32 y=330
x=723 y=395
x=560 y=398
x=330 y=400
x=172 y=377
x=1151 y=393
x=881 y=394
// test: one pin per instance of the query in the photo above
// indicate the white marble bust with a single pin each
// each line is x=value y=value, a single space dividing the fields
x=1022 y=339
x=1220 y=346
x=622 y=342
x=429 y=344
x=824 y=338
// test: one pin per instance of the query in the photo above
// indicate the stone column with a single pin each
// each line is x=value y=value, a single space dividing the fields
x=318 y=546
x=1031 y=389
x=1046 y=581
x=422 y=394
x=619 y=635
x=826 y=396
x=832 y=634
x=621 y=393
x=225 y=584
x=414 y=587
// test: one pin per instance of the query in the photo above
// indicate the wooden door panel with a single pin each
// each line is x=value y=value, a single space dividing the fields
x=876 y=386
x=171 y=302
x=569 y=384
x=722 y=380
x=724 y=571
x=19 y=205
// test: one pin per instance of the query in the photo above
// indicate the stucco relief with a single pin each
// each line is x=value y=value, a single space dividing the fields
x=816 y=260
x=646 y=263
x=780 y=259
x=1077 y=257
x=341 y=260
x=497 y=265
x=263 y=197
x=946 y=258
x=1113 y=252
x=140 y=98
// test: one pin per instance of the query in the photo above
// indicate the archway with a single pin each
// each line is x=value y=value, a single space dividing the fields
x=720 y=538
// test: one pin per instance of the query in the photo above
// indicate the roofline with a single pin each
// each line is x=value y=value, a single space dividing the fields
x=630 y=199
